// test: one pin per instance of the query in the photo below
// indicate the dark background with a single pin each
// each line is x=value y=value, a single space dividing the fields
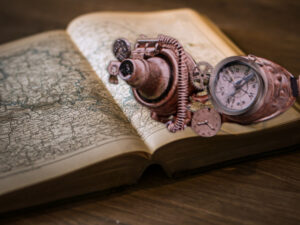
x=259 y=191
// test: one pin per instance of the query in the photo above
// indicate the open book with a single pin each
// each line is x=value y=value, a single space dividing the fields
x=65 y=130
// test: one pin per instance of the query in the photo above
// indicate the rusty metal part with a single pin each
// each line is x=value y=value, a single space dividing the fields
x=275 y=97
x=158 y=72
x=201 y=74
x=169 y=42
x=200 y=98
x=121 y=49
x=166 y=104
x=279 y=96
x=113 y=70
x=156 y=75
x=206 y=122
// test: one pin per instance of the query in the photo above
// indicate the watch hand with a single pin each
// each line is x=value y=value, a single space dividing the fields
x=202 y=123
x=239 y=88
x=246 y=92
x=205 y=122
x=246 y=79
x=238 y=85
x=212 y=128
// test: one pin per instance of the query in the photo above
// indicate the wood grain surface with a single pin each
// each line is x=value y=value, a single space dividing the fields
x=259 y=191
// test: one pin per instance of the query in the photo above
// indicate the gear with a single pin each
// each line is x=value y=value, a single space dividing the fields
x=201 y=74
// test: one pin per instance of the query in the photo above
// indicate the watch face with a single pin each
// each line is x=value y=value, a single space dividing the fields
x=235 y=87
x=206 y=122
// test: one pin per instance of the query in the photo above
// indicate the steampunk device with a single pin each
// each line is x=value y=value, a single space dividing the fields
x=166 y=79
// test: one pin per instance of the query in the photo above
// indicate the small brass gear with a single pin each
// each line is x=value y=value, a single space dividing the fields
x=201 y=74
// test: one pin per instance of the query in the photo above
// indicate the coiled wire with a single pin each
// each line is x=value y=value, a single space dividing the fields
x=182 y=89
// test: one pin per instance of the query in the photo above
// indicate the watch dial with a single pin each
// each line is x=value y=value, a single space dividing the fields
x=237 y=87
x=206 y=122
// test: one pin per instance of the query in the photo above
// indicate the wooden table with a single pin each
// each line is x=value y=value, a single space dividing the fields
x=260 y=191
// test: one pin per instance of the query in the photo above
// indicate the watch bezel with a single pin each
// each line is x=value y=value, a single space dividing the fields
x=214 y=78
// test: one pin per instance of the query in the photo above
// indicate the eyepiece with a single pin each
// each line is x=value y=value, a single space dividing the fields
x=126 y=68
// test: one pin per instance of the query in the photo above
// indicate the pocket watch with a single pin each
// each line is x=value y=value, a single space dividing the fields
x=249 y=89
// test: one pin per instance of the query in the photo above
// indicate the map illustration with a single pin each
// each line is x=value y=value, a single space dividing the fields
x=52 y=105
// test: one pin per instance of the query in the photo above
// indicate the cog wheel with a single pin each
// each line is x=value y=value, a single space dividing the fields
x=201 y=74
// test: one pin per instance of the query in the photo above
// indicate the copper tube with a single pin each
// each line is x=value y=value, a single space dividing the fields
x=150 y=77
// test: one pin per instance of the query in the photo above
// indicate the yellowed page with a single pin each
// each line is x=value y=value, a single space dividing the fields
x=95 y=33
x=55 y=114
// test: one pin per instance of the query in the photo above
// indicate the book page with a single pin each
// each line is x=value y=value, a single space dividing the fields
x=95 y=33
x=56 y=116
